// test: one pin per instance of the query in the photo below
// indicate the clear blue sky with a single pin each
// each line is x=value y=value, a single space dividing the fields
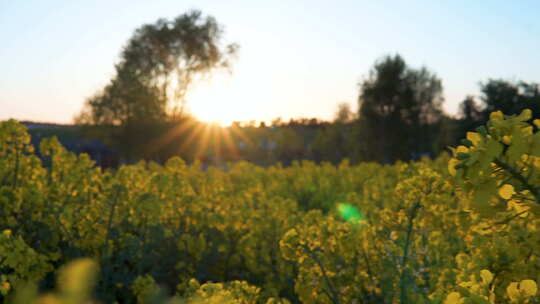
x=297 y=58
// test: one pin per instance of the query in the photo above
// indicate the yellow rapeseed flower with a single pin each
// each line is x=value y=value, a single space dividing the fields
x=486 y=276
x=528 y=288
x=452 y=166
x=506 y=191
x=512 y=291
x=474 y=137
x=496 y=115
x=454 y=298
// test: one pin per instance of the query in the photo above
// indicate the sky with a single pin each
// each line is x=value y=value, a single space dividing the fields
x=296 y=58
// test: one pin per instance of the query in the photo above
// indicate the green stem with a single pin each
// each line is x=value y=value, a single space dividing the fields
x=404 y=259
x=109 y=224
x=16 y=173
x=519 y=177
x=333 y=292
x=507 y=220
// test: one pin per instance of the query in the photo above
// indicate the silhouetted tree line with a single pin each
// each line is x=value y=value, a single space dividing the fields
x=400 y=117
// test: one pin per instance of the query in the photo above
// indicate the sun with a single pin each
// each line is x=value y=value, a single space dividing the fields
x=210 y=110
x=224 y=99
x=216 y=103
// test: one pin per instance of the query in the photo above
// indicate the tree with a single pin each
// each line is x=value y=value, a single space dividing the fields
x=469 y=109
x=497 y=95
x=510 y=97
x=344 y=114
x=156 y=69
x=335 y=141
x=470 y=116
x=399 y=109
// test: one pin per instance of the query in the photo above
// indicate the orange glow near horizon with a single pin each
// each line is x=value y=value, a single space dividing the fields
x=201 y=139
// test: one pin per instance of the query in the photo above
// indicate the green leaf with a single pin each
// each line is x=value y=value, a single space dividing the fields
x=462 y=156
x=482 y=130
x=482 y=196
x=466 y=142
x=493 y=149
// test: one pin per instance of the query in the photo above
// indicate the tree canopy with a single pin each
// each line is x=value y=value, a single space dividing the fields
x=156 y=68
x=398 y=109
x=510 y=97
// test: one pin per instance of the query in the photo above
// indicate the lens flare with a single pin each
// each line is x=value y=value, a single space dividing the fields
x=350 y=213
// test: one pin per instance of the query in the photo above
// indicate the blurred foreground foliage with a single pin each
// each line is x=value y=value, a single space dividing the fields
x=451 y=230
